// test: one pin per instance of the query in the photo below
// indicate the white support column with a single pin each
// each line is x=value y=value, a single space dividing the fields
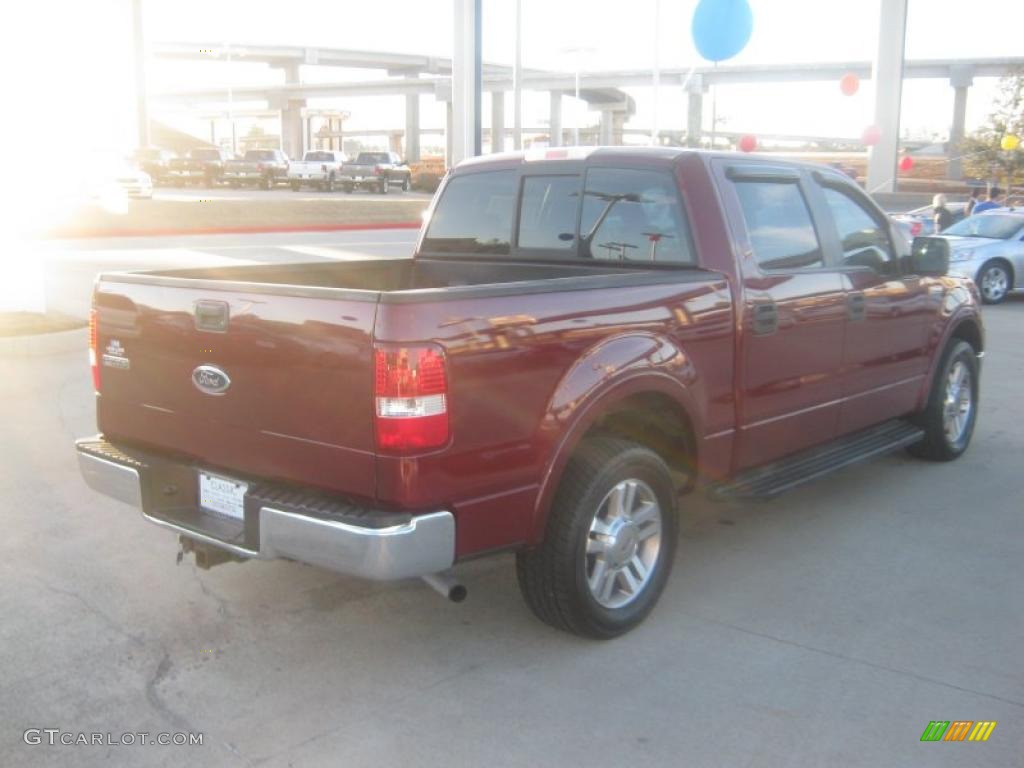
x=694 y=110
x=466 y=81
x=887 y=74
x=555 y=119
x=497 y=121
x=141 y=106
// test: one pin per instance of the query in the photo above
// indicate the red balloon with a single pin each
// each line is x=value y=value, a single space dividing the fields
x=849 y=83
x=871 y=136
x=747 y=143
x=906 y=163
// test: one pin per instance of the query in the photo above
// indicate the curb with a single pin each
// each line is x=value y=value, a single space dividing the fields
x=43 y=344
x=177 y=232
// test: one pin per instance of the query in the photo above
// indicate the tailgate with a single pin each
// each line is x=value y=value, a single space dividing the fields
x=261 y=384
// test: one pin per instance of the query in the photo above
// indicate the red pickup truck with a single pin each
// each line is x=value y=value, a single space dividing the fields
x=581 y=338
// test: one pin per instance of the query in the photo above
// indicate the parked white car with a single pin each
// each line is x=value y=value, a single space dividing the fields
x=989 y=248
x=318 y=168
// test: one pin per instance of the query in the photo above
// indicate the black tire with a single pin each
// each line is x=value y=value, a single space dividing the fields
x=233 y=184
x=348 y=189
x=553 y=576
x=994 y=281
x=383 y=187
x=296 y=187
x=406 y=184
x=937 y=444
x=329 y=183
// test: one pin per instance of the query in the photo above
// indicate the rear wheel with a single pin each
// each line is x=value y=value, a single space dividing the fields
x=329 y=183
x=268 y=182
x=347 y=188
x=406 y=184
x=296 y=187
x=609 y=544
x=948 y=419
x=994 y=281
x=382 y=188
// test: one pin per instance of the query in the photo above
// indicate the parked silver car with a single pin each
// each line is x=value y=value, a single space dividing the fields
x=989 y=248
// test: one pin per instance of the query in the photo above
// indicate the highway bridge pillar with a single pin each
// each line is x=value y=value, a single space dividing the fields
x=293 y=131
x=694 y=110
x=607 y=128
x=412 y=127
x=497 y=121
x=887 y=73
x=555 y=120
x=961 y=78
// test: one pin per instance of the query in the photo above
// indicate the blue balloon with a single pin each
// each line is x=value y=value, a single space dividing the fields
x=722 y=28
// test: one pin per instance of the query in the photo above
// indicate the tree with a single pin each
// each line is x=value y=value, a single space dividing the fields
x=983 y=154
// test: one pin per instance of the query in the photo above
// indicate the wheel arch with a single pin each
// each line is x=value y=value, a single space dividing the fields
x=648 y=400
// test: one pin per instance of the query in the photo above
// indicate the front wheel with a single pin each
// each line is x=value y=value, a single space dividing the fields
x=948 y=419
x=383 y=188
x=406 y=184
x=609 y=544
x=268 y=183
x=296 y=187
x=329 y=184
x=994 y=282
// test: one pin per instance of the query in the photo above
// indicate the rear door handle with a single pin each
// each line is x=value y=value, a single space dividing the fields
x=856 y=306
x=766 y=318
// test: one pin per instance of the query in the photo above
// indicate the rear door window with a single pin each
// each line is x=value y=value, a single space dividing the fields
x=547 y=218
x=474 y=214
x=634 y=215
x=779 y=225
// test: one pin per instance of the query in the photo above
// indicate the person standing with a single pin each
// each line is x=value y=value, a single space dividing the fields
x=943 y=218
x=995 y=200
x=972 y=201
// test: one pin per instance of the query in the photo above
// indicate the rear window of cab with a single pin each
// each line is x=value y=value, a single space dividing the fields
x=612 y=214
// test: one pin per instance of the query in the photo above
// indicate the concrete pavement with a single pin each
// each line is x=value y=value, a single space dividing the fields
x=827 y=627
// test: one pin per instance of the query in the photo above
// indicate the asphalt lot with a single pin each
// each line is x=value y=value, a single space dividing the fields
x=827 y=627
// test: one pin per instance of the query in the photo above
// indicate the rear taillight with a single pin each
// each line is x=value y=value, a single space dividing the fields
x=915 y=228
x=376 y=170
x=411 y=399
x=94 y=343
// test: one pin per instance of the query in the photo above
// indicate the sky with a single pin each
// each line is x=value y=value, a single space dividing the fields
x=81 y=70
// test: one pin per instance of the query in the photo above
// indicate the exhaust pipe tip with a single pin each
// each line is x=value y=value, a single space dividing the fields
x=447 y=585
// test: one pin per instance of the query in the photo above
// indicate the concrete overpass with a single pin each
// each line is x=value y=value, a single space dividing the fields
x=406 y=78
x=413 y=76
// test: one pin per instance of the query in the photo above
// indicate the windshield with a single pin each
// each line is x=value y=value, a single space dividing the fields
x=991 y=225
x=366 y=158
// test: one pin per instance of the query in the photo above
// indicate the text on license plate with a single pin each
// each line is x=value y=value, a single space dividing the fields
x=222 y=495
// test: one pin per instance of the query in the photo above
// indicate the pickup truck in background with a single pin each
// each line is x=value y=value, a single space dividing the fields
x=155 y=162
x=318 y=168
x=581 y=338
x=378 y=171
x=263 y=168
x=203 y=164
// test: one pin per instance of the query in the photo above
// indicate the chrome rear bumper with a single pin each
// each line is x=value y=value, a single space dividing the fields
x=416 y=546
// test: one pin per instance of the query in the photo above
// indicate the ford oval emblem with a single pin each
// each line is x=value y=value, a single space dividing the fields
x=211 y=380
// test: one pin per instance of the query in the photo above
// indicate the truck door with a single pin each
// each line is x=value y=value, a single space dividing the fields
x=792 y=311
x=885 y=353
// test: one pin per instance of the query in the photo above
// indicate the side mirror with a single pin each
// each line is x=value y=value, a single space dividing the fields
x=929 y=257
